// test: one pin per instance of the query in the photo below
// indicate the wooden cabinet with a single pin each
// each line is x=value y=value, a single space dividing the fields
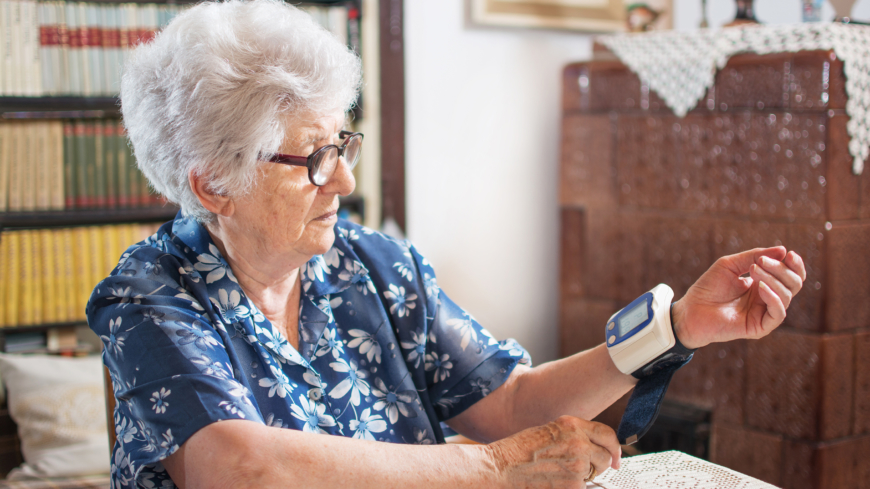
x=648 y=197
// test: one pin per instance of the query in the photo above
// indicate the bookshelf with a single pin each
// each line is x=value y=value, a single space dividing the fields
x=372 y=200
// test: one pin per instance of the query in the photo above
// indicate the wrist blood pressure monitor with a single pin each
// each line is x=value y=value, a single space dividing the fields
x=641 y=341
x=641 y=331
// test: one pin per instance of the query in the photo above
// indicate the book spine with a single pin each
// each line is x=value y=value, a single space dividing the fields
x=90 y=164
x=67 y=254
x=86 y=68
x=17 y=48
x=16 y=139
x=42 y=153
x=109 y=163
x=80 y=165
x=83 y=254
x=26 y=315
x=47 y=29
x=74 y=49
x=4 y=166
x=4 y=275
x=48 y=276
x=111 y=252
x=61 y=58
x=97 y=273
x=69 y=170
x=28 y=166
x=99 y=166
x=36 y=286
x=123 y=153
x=95 y=49
x=13 y=286
x=56 y=161
x=33 y=85
x=6 y=33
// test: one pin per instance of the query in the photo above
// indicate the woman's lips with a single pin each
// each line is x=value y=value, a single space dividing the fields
x=327 y=216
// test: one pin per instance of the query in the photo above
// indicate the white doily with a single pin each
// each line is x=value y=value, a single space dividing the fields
x=674 y=469
x=681 y=66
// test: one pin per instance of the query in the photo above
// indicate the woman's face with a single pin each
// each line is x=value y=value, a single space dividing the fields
x=285 y=216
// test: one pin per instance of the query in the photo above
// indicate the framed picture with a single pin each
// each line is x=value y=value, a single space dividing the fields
x=578 y=15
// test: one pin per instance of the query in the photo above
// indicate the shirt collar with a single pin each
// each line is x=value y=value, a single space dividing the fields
x=329 y=273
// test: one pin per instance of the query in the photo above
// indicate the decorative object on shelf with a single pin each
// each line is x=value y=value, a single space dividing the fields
x=842 y=9
x=704 y=23
x=640 y=17
x=681 y=66
x=811 y=10
x=579 y=15
x=744 y=15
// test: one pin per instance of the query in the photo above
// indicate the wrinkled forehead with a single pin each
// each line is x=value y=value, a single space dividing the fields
x=308 y=128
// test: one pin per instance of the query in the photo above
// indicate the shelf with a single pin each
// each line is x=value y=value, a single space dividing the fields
x=58 y=107
x=79 y=217
x=35 y=328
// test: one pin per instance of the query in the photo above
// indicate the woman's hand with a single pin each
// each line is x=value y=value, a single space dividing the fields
x=561 y=453
x=723 y=305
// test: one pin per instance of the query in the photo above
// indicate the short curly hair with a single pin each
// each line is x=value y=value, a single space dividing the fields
x=217 y=87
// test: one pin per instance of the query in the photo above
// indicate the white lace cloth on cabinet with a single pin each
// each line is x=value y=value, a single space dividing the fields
x=681 y=66
x=673 y=470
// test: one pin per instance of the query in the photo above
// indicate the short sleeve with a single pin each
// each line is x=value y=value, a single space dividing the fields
x=170 y=370
x=463 y=361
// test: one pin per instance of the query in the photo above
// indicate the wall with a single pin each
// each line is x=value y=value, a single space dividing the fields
x=483 y=112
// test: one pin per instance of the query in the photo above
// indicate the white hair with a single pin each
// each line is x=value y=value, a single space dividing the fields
x=215 y=88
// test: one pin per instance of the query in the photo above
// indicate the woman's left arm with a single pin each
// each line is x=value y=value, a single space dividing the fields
x=723 y=305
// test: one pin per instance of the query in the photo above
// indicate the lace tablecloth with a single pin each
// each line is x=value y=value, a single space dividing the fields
x=681 y=66
x=673 y=470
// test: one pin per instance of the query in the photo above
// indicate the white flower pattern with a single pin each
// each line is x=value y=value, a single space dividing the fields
x=342 y=379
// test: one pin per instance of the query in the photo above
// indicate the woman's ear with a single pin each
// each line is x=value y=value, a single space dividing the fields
x=216 y=203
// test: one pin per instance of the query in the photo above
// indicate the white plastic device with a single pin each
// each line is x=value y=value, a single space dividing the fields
x=641 y=331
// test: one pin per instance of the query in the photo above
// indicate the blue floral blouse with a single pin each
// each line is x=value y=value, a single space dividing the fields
x=383 y=353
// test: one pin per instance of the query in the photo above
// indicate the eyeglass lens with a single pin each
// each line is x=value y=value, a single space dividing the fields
x=326 y=161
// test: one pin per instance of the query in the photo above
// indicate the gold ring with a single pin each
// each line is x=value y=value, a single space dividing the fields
x=591 y=476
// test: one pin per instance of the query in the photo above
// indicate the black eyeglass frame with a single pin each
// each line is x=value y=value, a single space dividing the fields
x=309 y=161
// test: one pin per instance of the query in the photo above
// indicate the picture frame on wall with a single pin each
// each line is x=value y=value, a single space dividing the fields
x=576 y=15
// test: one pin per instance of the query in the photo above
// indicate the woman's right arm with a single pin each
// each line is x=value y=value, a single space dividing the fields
x=239 y=454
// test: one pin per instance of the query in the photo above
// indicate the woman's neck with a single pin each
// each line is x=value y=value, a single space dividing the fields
x=274 y=287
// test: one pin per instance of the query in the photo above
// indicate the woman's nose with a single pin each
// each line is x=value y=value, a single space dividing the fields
x=342 y=181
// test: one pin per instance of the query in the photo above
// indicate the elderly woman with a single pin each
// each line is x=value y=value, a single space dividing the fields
x=257 y=323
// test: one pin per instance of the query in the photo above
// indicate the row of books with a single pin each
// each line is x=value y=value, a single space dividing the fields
x=77 y=164
x=53 y=48
x=47 y=275
x=73 y=48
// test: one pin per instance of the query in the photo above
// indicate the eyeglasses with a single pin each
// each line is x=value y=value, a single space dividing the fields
x=322 y=163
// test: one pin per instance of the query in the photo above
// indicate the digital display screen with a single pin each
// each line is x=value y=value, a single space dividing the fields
x=632 y=318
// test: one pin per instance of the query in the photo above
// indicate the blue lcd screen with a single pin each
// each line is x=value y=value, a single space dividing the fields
x=632 y=318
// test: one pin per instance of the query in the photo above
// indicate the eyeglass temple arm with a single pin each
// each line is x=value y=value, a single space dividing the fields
x=289 y=160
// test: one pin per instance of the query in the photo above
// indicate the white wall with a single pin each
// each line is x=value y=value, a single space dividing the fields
x=483 y=115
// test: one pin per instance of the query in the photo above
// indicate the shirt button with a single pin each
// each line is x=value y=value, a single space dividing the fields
x=315 y=394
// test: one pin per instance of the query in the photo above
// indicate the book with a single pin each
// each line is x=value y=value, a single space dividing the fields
x=56 y=166
x=42 y=164
x=48 y=276
x=27 y=152
x=4 y=277
x=5 y=142
x=13 y=277
x=16 y=140
x=69 y=170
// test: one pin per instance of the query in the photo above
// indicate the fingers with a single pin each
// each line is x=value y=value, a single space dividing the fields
x=741 y=262
x=796 y=264
x=604 y=436
x=775 y=313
